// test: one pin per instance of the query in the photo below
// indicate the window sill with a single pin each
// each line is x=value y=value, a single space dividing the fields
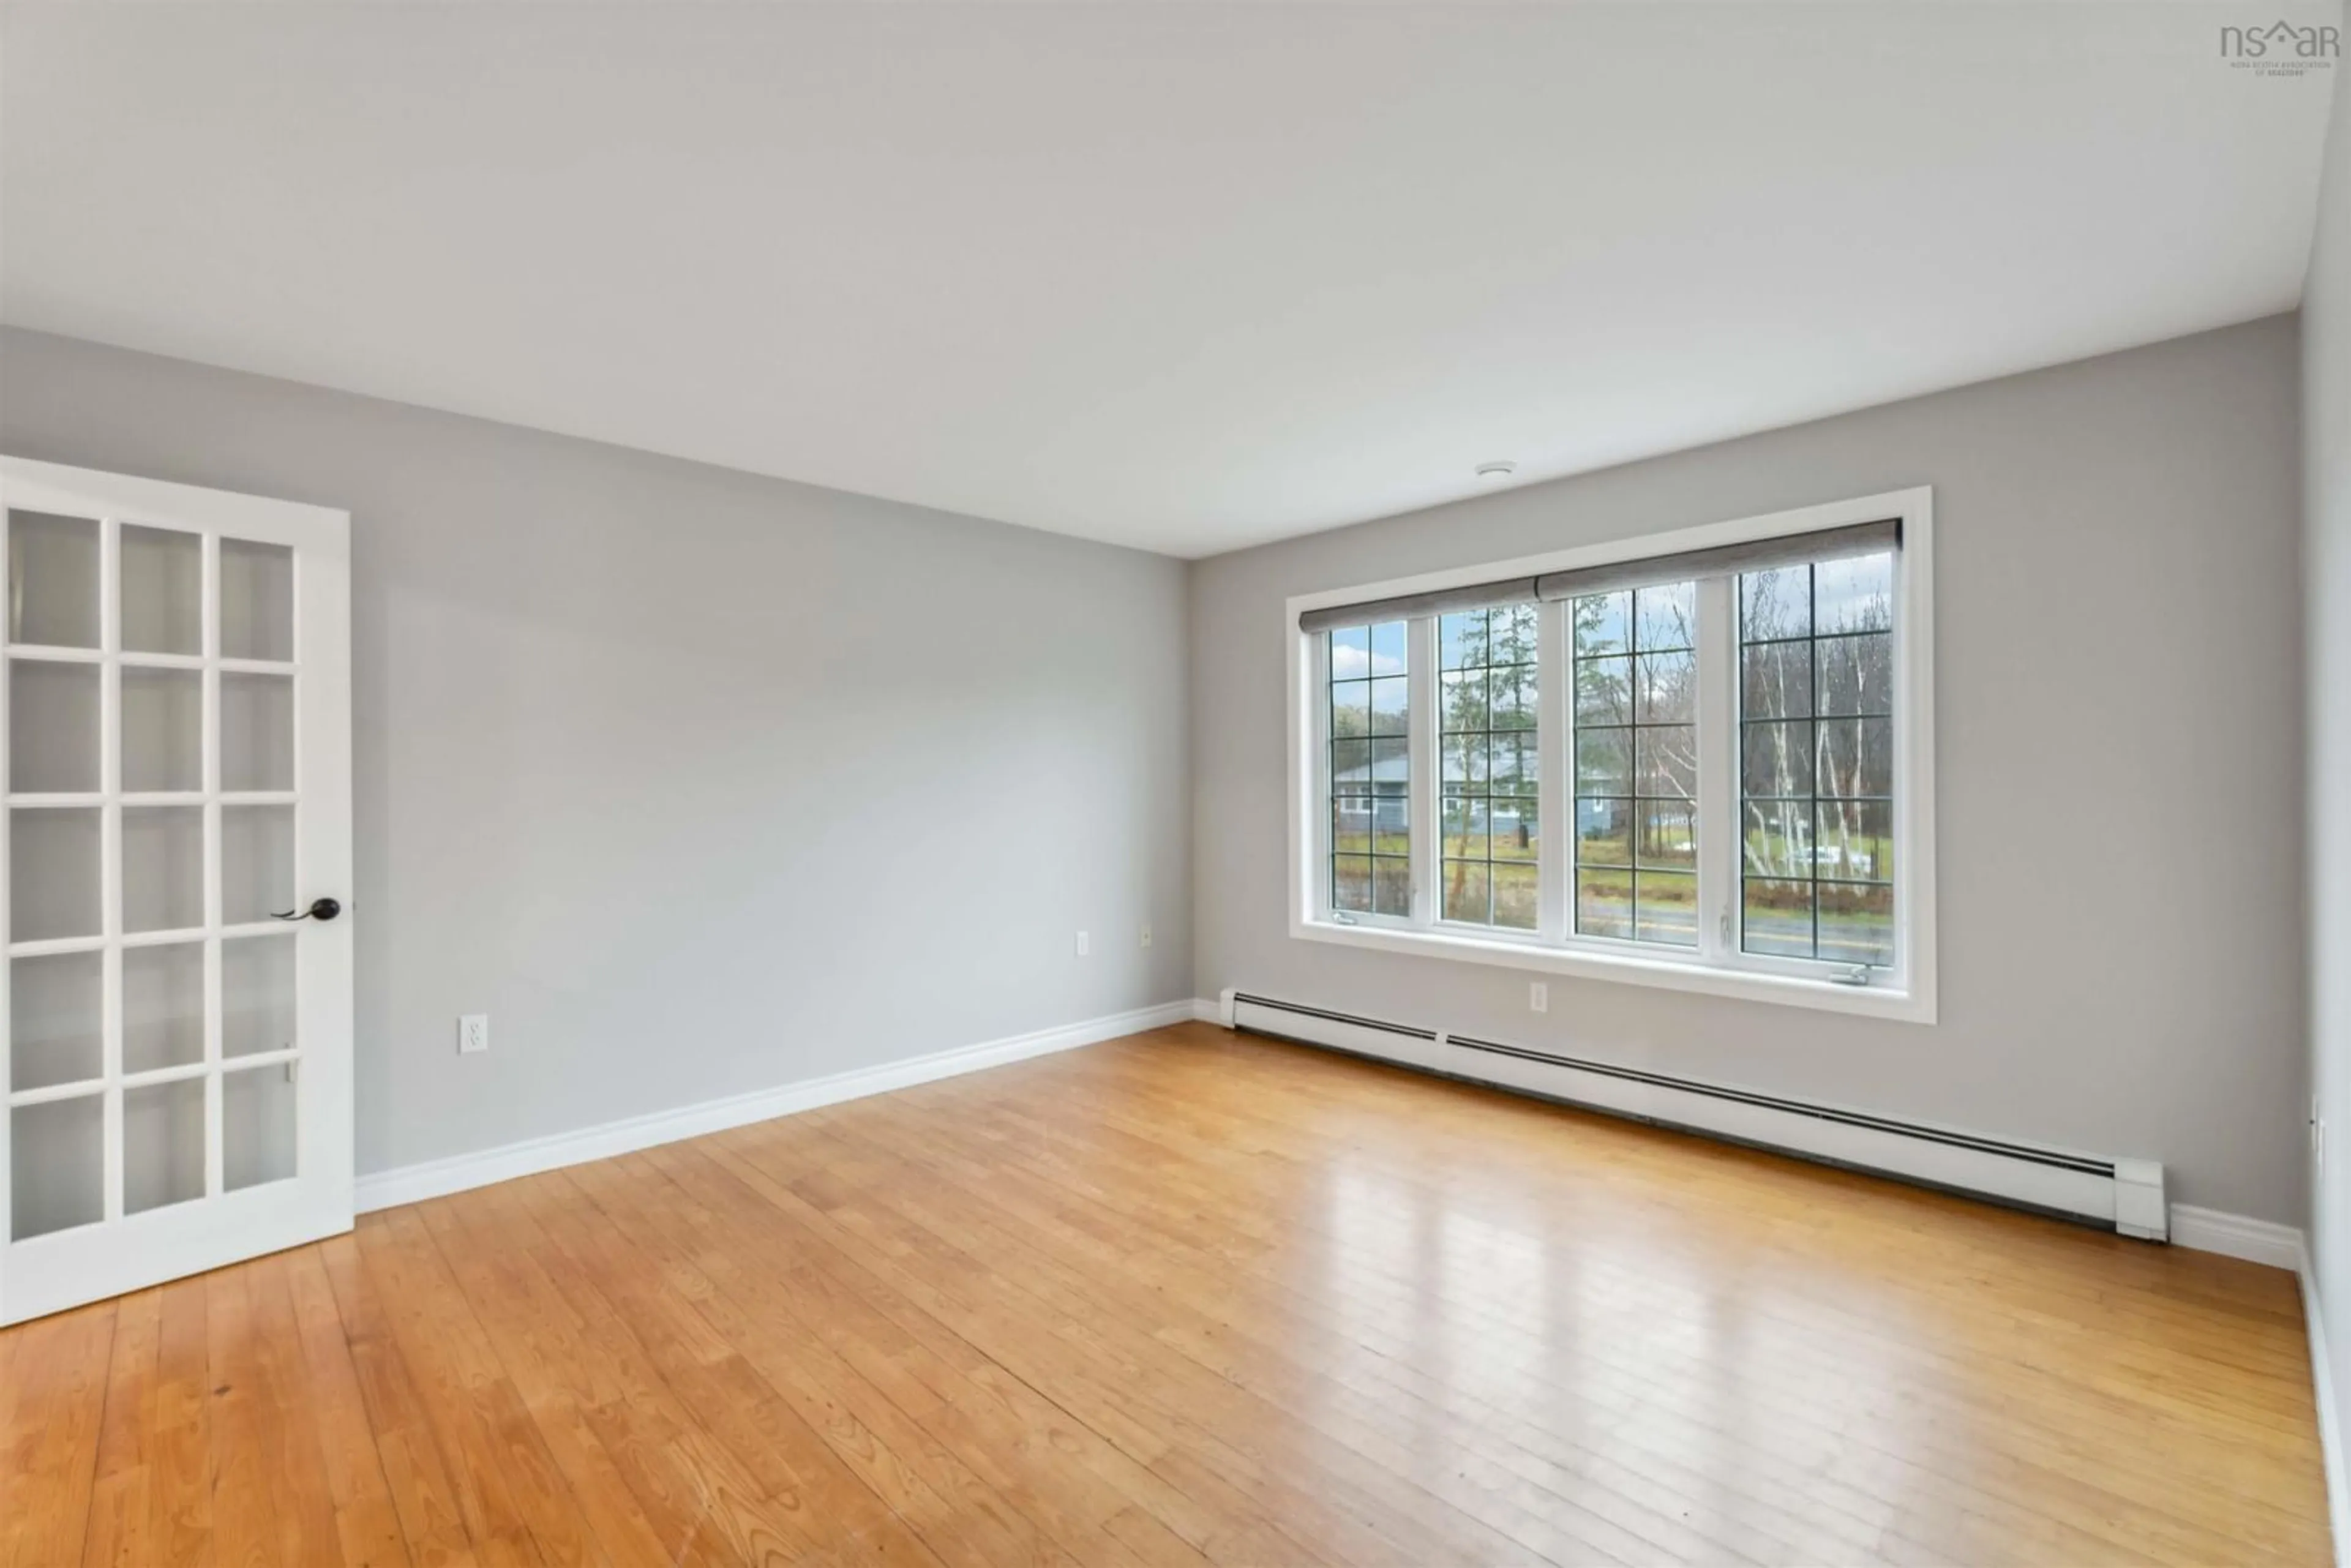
x=1664 y=973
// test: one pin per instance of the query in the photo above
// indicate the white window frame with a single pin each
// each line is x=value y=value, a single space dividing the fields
x=1904 y=991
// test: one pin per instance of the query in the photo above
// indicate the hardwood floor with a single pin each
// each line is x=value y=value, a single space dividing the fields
x=1180 y=1298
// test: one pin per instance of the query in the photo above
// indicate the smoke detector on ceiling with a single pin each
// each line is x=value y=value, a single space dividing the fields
x=1496 y=473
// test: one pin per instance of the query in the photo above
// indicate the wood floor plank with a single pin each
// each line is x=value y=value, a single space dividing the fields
x=178 y=1441
x=1188 y=1298
x=119 y=1505
x=250 y=1528
x=425 y=1500
x=49 y=1453
x=366 y=1522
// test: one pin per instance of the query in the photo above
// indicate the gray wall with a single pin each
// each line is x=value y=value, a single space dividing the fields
x=700 y=782
x=2118 y=720
x=696 y=782
x=2326 y=584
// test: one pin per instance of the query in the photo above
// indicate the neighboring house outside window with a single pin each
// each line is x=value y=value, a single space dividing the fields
x=1370 y=770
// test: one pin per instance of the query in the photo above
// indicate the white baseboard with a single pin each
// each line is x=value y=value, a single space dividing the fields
x=1208 y=1009
x=437 y=1178
x=2235 y=1236
x=2330 y=1429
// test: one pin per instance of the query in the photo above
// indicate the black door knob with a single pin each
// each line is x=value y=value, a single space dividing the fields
x=321 y=909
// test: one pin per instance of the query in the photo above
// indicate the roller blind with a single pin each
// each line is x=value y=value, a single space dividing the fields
x=1720 y=561
x=1404 y=607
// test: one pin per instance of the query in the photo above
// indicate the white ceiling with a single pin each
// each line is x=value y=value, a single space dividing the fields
x=1188 y=277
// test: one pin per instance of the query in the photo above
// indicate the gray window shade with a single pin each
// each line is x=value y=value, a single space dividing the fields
x=1755 y=555
x=1404 y=607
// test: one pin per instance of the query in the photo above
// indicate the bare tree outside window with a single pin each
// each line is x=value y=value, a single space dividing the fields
x=1816 y=760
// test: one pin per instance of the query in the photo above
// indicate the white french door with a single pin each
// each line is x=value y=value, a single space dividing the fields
x=175 y=1008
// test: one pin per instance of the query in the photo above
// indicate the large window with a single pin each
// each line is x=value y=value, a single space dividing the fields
x=1733 y=729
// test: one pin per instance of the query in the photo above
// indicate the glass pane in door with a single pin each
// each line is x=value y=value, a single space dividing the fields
x=56 y=1165
x=258 y=995
x=163 y=1005
x=163 y=868
x=256 y=863
x=162 y=730
x=257 y=601
x=52 y=727
x=163 y=591
x=54 y=1016
x=162 y=1145
x=52 y=598
x=53 y=864
x=256 y=1126
x=256 y=740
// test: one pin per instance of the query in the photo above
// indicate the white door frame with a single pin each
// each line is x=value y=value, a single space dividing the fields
x=121 y=1252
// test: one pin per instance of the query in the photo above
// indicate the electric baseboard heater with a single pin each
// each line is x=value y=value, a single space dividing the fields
x=2124 y=1194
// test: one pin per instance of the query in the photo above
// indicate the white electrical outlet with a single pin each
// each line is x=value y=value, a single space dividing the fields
x=1146 y=936
x=1538 y=997
x=1085 y=945
x=473 y=1034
